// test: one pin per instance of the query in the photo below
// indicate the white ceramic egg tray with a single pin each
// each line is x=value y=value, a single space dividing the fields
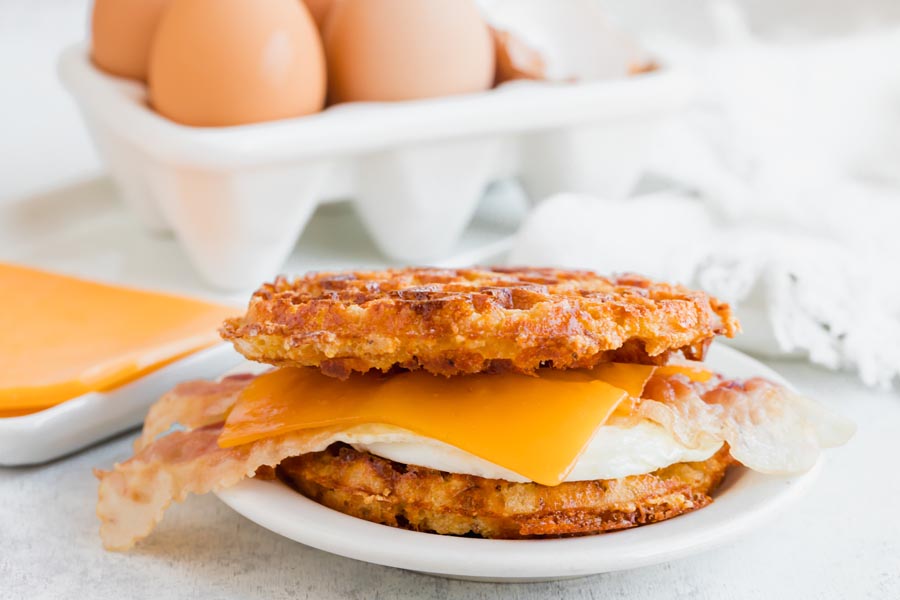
x=237 y=198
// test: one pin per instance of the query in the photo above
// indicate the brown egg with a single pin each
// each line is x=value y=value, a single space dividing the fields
x=232 y=62
x=407 y=49
x=319 y=9
x=121 y=35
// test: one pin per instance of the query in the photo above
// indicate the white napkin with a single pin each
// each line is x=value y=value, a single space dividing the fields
x=786 y=200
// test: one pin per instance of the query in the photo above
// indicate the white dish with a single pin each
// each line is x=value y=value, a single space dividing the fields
x=744 y=502
x=237 y=198
x=82 y=421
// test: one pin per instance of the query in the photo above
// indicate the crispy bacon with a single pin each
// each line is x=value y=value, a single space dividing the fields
x=768 y=427
x=192 y=404
x=134 y=495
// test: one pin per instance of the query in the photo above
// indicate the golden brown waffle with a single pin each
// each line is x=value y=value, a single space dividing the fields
x=372 y=488
x=473 y=320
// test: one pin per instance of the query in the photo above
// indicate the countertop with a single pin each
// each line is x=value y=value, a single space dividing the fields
x=842 y=541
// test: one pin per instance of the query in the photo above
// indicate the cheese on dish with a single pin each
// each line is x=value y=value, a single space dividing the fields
x=64 y=337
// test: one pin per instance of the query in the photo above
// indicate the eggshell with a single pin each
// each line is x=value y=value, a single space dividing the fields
x=575 y=39
x=381 y=50
x=121 y=35
x=233 y=62
x=515 y=59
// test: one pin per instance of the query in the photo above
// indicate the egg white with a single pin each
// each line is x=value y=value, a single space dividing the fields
x=613 y=452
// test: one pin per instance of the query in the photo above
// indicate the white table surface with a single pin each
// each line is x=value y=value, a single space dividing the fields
x=843 y=541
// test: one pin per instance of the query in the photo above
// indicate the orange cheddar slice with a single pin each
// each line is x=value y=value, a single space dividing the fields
x=64 y=337
x=21 y=412
x=535 y=426
x=628 y=377
x=694 y=373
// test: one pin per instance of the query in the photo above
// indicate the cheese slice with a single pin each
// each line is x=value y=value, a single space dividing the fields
x=64 y=337
x=691 y=371
x=20 y=412
x=628 y=377
x=534 y=426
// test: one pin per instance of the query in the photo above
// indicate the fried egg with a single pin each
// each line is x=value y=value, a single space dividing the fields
x=614 y=451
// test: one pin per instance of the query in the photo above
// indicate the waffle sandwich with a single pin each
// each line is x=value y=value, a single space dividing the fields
x=498 y=403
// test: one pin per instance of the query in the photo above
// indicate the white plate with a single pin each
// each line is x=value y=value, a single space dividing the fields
x=744 y=502
x=88 y=419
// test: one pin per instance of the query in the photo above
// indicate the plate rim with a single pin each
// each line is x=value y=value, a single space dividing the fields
x=281 y=510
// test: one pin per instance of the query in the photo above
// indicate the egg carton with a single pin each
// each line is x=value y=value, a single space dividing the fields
x=238 y=198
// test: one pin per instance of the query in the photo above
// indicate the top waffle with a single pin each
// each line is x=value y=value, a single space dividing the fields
x=450 y=322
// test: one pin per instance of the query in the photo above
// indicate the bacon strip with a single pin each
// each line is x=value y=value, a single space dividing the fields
x=134 y=495
x=192 y=404
x=769 y=428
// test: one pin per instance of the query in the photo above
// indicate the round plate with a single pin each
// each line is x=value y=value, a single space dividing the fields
x=744 y=501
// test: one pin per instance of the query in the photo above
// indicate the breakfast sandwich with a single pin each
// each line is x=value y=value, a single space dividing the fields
x=498 y=403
